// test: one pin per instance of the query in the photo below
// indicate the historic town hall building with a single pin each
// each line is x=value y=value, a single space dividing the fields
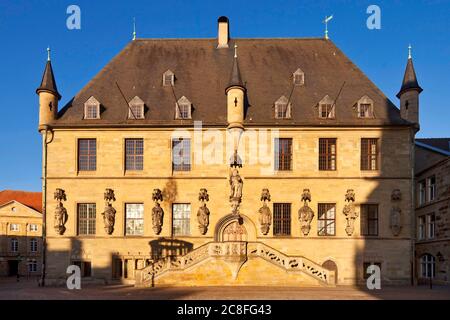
x=229 y=162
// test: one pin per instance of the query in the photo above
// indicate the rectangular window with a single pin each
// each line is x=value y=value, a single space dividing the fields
x=134 y=154
x=327 y=219
x=14 y=227
x=369 y=154
x=134 y=221
x=283 y=154
x=422 y=193
x=431 y=188
x=327 y=154
x=85 y=267
x=14 y=245
x=91 y=111
x=33 y=245
x=136 y=111
x=282 y=111
x=181 y=219
x=181 y=154
x=431 y=226
x=86 y=218
x=421 y=228
x=33 y=227
x=117 y=272
x=369 y=219
x=365 y=110
x=32 y=266
x=281 y=219
x=366 y=265
x=183 y=111
x=87 y=154
x=327 y=111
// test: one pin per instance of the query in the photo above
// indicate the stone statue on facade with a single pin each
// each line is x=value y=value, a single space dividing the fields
x=109 y=214
x=236 y=185
x=157 y=211
x=305 y=213
x=395 y=218
x=350 y=211
x=203 y=212
x=60 y=212
x=265 y=216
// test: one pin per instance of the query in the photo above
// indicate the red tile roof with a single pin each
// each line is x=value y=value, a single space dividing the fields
x=30 y=199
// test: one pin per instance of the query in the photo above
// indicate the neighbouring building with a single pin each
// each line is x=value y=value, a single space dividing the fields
x=229 y=162
x=432 y=170
x=20 y=233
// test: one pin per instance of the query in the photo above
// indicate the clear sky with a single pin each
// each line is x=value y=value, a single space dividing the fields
x=28 y=27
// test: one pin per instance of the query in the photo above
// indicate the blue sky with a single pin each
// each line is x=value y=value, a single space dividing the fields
x=28 y=27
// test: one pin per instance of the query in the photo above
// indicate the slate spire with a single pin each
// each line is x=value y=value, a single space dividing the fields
x=48 y=82
x=235 y=78
x=409 y=79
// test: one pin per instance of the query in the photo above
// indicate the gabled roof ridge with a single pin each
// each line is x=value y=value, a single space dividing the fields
x=432 y=148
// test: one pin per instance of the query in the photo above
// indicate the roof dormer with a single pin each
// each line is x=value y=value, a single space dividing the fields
x=92 y=108
x=183 y=108
x=168 y=78
x=365 y=107
x=136 y=108
x=298 y=77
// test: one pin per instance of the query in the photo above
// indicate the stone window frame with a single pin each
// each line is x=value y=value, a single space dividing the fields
x=184 y=219
x=91 y=102
x=427 y=266
x=280 y=103
x=421 y=227
x=182 y=167
x=431 y=189
x=16 y=227
x=34 y=245
x=283 y=154
x=422 y=192
x=183 y=103
x=168 y=82
x=139 y=219
x=134 y=154
x=366 y=220
x=91 y=228
x=430 y=226
x=34 y=227
x=295 y=75
x=327 y=155
x=85 y=267
x=365 y=100
x=326 y=207
x=14 y=245
x=282 y=219
x=32 y=266
x=136 y=104
x=325 y=102
x=370 y=161
x=91 y=156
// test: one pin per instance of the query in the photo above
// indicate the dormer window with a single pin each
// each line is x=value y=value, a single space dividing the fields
x=136 y=108
x=183 y=108
x=326 y=108
x=92 y=109
x=365 y=107
x=283 y=108
x=298 y=77
x=168 y=78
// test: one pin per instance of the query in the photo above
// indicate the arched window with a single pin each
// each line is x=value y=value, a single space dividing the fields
x=365 y=107
x=168 y=78
x=283 y=108
x=326 y=108
x=298 y=77
x=427 y=266
x=33 y=245
x=14 y=245
x=92 y=109
x=136 y=109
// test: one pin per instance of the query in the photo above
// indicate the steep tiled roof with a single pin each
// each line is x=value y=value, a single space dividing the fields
x=409 y=79
x=48 y=82
x=203 y=72
x=30 y=199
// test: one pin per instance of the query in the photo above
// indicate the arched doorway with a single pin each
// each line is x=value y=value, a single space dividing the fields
x=235 y=228
x=331 y=265
x=234 y=232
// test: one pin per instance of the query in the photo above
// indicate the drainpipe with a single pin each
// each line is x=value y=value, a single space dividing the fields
x=413 y=215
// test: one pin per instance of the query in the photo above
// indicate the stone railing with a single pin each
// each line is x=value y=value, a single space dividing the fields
x=238 y=251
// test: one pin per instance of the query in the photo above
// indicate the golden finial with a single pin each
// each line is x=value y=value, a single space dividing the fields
x=409 y=52
x=48 y=53
x=327 y=19
x=134 y=28
x=235 y=50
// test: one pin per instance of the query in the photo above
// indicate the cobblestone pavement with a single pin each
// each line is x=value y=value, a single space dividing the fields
x=10 y=289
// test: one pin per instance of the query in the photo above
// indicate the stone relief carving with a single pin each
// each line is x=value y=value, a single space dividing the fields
x=236 y=185
x=203 y=212
x=109 y=214
x=60 y=212
x=265 y=216
x=305 y=213
x=395 y=218
x=157 y=211
x=350 y=211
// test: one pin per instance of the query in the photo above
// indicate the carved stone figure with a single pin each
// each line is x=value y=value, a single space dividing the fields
x=236 y=185
x=395 y=218
x=157 y=211
x=350 y=212
x=60 y=212
x=305 y=213
x=203 y=212
x=265 y=216
x=109 y=214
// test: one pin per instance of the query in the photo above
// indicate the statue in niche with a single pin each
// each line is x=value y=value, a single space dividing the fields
x=305 y=213
x=157 y=211
x=265 y=216
x=395 y=219
x=350 y=212
x=236 y=185
x=60 y=212
x=109 y=215
x=203 y=212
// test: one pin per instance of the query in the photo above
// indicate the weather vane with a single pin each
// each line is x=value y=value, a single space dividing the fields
x=48 y=53
x=327 y=19
x=409 y=52
x=134 y=28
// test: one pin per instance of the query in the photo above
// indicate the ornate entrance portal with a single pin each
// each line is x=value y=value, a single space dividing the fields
x=234 y=232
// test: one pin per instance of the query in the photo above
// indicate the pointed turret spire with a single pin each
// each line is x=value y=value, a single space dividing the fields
x=48 y=82
x=235 y=78
x=409 y=79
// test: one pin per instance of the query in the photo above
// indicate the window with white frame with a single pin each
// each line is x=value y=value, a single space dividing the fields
x=298 y=77
x=92 y=109
x=365 y=107
x=431 y=188
x=33 y=227
x=86 y=214
x=33 y=245
x=431 y=229
x=326 y=108
x=168 y=78
x=427 y=266
x=136 y=108
x=422 y=194
x=134 y=219
x=183 y=108
x=181 y=154
x=181 y=219
x=32 y=266
x=14 y=245
x=421 y=228
x=283 y=108
x=14 y=227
